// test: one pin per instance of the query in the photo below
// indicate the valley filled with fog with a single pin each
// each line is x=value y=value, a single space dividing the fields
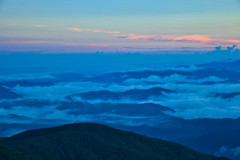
x=189 y=104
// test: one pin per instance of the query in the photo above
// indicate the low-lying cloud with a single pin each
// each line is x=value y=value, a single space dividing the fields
x=26 y=77
x=57 y=91
x=190 y=68
x=189 y=100
x=226 y=151
x=174 y=78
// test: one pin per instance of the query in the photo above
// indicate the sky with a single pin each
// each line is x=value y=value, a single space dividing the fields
x=113 y=26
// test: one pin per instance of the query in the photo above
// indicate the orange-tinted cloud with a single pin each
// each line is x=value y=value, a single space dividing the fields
x=92 y=30
x=190 y=39
x=20 y=41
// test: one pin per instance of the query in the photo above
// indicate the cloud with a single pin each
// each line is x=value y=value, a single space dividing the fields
x=235 y=151
x=192 y=88
x=192 y=101
x=58 y=91
x=221 y=151
x=174 y=78
x=175 y=49
x=211 y=78
x=190 y=68
x=219 y=50
x=190 y=39
x=92 y=45
x=21 y=41
x=189 y=100
x=231 y=48
x=91 y=30
x=30 y=111
x=157 y=68
x=226 y=151
x=128 y=120
x=46 y=114
x=196 y=101
x=153 y=78
x=209 y=111
x=40 y=25
x=26 y=77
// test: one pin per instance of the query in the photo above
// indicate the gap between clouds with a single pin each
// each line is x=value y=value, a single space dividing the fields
x=40 y=42
x=91 y=45
x=92 y=30
x=21 y=41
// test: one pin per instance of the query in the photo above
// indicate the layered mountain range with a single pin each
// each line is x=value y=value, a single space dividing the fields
x=197 y=106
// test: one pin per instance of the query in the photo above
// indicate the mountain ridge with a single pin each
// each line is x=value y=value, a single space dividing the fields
x=95 y=141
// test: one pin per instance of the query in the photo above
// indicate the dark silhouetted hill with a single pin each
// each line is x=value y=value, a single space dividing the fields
x=9 y=154
x=93 y=141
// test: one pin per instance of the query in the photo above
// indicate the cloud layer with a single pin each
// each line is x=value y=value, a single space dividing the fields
x=190 y=39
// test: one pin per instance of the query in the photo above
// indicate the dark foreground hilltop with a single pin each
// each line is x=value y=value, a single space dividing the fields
x=92 y=141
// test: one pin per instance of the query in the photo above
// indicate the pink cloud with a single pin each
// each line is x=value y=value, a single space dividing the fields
x=93 y=45
x=92 y=30
x=191 y=39
x=20 y=41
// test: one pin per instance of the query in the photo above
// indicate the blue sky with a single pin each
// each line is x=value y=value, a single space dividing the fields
x=111 y=25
